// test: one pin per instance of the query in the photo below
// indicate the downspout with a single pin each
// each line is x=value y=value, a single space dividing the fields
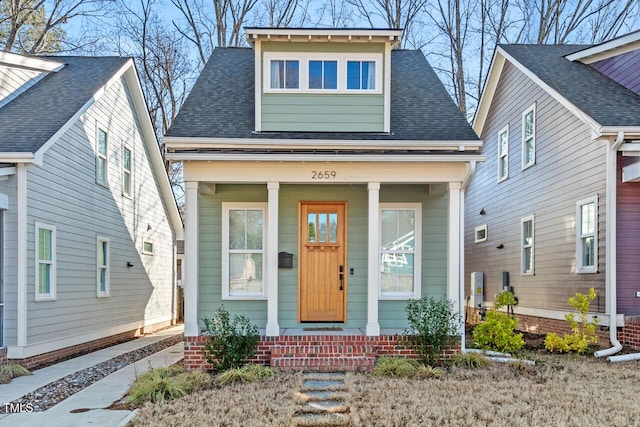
x=611 y=243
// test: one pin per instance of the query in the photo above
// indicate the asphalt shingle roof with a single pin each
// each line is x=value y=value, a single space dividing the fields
x=29 y=120
x=604 y=100
x=221 y=103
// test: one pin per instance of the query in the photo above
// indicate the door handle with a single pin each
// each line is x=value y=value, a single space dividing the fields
x=341 y=275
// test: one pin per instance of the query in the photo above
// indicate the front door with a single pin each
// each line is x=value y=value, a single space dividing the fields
x=322 y=278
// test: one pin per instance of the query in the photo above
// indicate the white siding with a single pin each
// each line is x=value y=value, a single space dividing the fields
x=14 y=81
x=63 y=192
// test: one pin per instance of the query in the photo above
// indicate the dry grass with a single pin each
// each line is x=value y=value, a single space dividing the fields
x=558 y=391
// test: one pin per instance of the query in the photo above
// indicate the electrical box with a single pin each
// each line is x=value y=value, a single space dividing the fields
x=477 y=289
x=504 y=282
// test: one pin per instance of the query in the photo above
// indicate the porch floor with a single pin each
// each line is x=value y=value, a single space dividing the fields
x=329 y=331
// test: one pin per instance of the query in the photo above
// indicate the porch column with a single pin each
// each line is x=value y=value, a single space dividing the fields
x=191 y=328
x=273 y=329
x=453 y=255
x=373 y=327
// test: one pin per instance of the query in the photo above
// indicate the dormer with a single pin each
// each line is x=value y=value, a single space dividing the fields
x=322 y=80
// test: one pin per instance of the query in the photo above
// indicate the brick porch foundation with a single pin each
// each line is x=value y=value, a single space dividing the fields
x=315 y=352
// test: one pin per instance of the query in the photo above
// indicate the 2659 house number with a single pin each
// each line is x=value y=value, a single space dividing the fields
x=323 y=174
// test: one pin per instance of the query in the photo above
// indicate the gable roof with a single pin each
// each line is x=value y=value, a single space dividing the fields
x=29 y=121
x=221 y=104
x=596 y=99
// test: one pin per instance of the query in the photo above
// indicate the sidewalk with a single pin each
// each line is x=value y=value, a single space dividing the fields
x=91 y=401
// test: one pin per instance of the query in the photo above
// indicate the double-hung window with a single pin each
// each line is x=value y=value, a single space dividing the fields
x=361 y=75
x=400 y=250
x=285 y=74
x=503 y=154
x=127 y=168
x=587 y=235
x=243 y=250
x=528 y=244
x=529 y=137
x=45 y=274
x=101 y=158
x=323 y=74
x=102 y=266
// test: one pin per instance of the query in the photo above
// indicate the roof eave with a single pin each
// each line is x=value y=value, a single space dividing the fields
x=352 y=158
x=605 y=50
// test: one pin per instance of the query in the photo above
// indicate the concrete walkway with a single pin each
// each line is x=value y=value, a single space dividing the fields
x=91 y=401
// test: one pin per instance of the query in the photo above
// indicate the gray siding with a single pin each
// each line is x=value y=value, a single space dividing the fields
x=624 y=69
x=569 y=167
x=9 y=189
x=63 y=193
x=14 y=81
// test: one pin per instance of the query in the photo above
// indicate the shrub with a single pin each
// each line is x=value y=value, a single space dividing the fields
x=471 y=360
x=13 y=370
x=427 y=372
x=497 y=331
x=583 y=333
x=434 y=325
x=245 y=374
x=161 y=384
x=395 y=367
x=232 y=340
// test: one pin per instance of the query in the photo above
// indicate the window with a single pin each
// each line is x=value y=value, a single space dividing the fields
x=529 y=137
x=400 y=231
x=126 y=171
x=361 y=75
x=45 y=274
x=101 y=158
x=103 y=266
x=323 y=74
x=587 y=235
x=243 y=243
x=285 y=74
x=147 y=248
x=528 y=250
x=503 y=154
x=481 y=233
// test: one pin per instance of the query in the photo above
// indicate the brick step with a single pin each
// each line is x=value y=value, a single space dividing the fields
x=330 y=349
x=323 y=364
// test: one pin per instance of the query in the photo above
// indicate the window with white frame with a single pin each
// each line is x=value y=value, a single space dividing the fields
x=45 y=274
x=243 y=250
x=361 y=75
x=323 y=74
x=503 y=154
x=127 y=169
x=147 y=248
x=400 y=249
x=481 y=233
x=102 y=266
x=528 y=244
x=587 y=235
x=529 y=137
x=285 y=74
x=102 y=166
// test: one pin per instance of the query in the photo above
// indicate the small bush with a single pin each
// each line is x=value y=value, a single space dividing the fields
x=497 y=331
x=395 y=367
x=428 y=372
x=583 y=333
x=161 y=384
x=13 y=370
x=245 y=374
x=232 y=340
x=471 y=360
x=434 y=325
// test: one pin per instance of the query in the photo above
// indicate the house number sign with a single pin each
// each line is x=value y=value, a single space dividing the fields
x=323 y=174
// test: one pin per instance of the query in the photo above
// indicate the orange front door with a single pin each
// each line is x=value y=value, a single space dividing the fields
x=322 y=277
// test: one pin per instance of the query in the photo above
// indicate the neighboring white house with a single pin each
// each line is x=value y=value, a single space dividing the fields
x=88 y=221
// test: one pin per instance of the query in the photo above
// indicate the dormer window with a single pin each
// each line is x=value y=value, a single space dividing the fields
x=323 y=74
x=285 y=74
x=361 y=75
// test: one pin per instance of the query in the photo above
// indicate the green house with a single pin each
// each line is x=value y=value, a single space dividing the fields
x=325 y=173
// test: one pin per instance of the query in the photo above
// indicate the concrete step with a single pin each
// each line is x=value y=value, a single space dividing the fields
x=323 y=364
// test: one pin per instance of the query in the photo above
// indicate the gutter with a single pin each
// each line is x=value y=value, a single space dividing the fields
x=611 y=246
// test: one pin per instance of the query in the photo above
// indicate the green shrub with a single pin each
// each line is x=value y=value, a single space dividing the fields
x=161 y=384
x=245 y=374
x=13 y=370
x=583 y=333
x=428 y=372
x=497 y=331
x=232 y=340
x=471 y=360
x=434 y=325
x=395 y=367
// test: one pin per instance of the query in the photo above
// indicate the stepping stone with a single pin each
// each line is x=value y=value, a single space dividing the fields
x=326 y=405
x=322 y=384
x=319 y=395
x=324 y=375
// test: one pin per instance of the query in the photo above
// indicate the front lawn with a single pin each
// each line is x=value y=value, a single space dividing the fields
x=558 y=390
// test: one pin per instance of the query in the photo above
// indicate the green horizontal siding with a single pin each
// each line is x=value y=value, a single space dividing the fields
x=392 y=314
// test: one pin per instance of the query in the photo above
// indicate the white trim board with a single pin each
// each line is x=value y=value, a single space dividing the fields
x=30 y=62
x=608 y=49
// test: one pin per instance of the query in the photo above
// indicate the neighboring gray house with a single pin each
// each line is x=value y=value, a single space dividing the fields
x=556 y=203
x=324 y=171
x=88 y=219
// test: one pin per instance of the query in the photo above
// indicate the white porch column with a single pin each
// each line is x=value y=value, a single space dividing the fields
x=21 y=297
x=273 y=329
x=191 y=284
x=373 y=326
x=453 y=255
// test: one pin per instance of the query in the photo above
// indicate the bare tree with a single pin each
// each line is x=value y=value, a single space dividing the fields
x=37 y=26
x=335 y=14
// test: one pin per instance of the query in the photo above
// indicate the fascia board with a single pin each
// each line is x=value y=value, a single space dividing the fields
x=381 y=158
x=30 y=62
x=605 y=50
